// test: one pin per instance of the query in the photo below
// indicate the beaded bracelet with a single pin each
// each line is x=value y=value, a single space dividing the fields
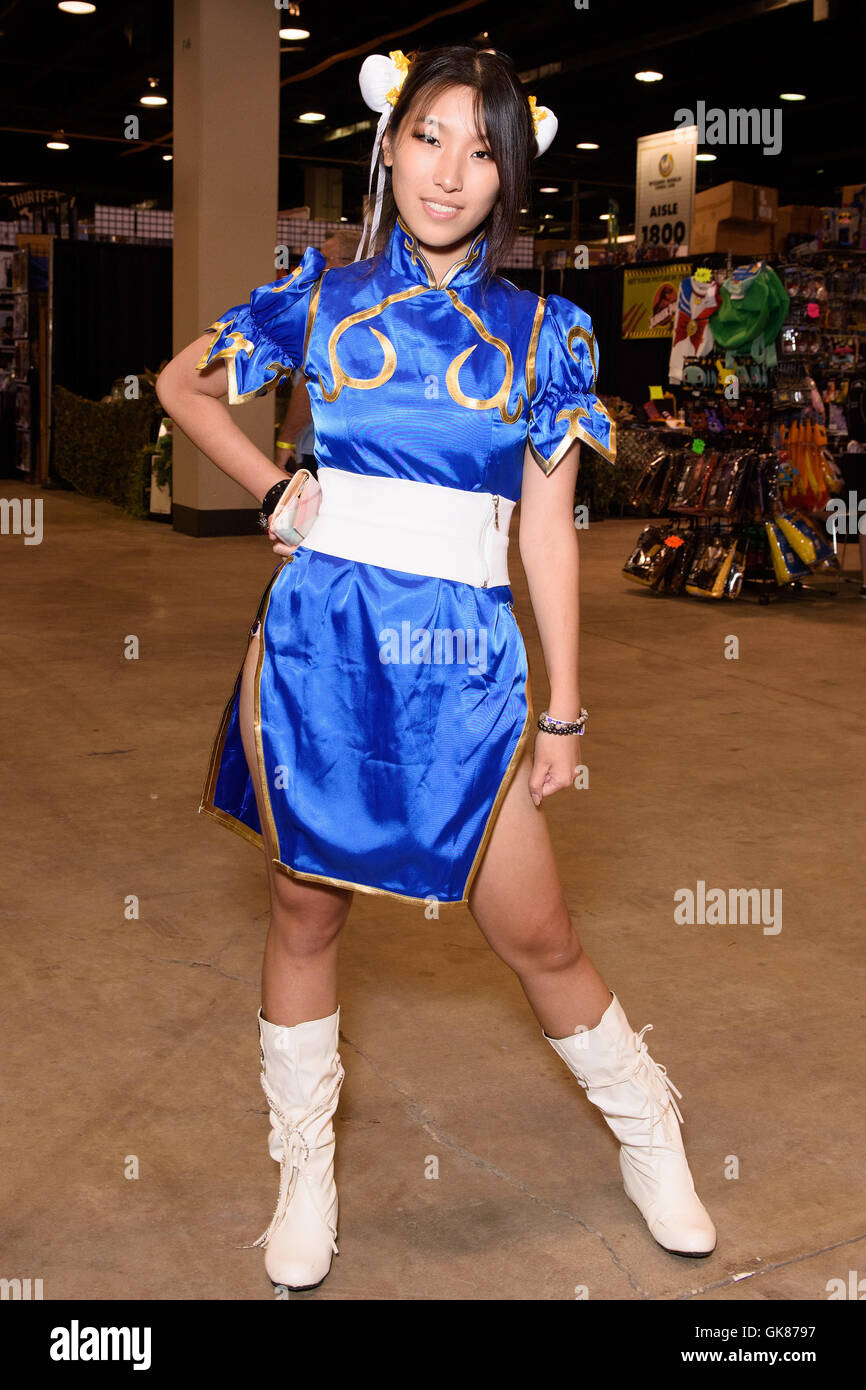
x=549 y=725
x=270 y=500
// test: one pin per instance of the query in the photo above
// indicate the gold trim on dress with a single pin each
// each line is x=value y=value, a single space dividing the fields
x=508 y=774
x=228 y=354
x=257 y=724
x=533 y=347
x=472 y=255
x=416 y=253
x=589 y=339
x=312 y=310
x=500 y=398
x=287 y=279
x=576 y=431
x=339 y=377
x=411 y=245
x=209 y=789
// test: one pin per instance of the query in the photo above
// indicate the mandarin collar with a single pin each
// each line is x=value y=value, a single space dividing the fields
x=408 y=261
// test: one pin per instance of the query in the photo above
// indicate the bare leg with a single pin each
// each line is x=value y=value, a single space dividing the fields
x=299 y=970
x=516 y=898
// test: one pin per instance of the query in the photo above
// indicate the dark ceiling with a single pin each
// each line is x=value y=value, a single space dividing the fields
x=82 y=75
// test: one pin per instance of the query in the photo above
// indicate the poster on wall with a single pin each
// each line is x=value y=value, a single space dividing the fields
x=649 y=299
x=665 y=189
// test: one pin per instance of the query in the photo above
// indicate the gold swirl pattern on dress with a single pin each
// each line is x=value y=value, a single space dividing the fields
x=472 y=255
x=576 y=431
x=589 y=339
x=287 y=280
x=339 y=376
x=236 y=342
x=411 y=245
x=500 y=398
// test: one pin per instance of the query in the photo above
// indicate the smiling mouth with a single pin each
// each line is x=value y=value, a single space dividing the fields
x=440 y=207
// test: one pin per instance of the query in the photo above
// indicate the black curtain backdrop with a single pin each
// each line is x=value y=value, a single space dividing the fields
x=626 y=369
x=112 y=313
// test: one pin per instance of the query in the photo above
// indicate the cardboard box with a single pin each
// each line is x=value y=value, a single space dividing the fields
x=799 y=219
x=727 y=200
x=745 y=202
x=743 y=237
x=766 y=203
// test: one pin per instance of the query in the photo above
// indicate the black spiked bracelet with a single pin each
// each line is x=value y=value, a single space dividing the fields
x=270 y=500
x=547 y=725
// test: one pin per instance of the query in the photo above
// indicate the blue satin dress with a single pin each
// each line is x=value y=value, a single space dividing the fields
x=387 y=775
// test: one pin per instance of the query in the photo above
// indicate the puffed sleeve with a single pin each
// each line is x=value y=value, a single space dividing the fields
x=562 y=367
x=264 y=339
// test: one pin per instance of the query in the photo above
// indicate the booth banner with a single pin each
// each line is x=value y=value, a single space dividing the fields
x=649 y=299
x=665 y=189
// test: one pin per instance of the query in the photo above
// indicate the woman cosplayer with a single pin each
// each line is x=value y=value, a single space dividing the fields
x=381 y=735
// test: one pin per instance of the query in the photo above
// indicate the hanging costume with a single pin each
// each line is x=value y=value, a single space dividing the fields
x=697 y=301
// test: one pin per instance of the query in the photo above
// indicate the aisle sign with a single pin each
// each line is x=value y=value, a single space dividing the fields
x=649 y=299
x=665 y=190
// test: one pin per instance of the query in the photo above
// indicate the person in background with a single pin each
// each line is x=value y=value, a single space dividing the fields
x=296 y=437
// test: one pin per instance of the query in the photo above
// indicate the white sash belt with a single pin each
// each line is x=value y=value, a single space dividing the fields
x=421 y=528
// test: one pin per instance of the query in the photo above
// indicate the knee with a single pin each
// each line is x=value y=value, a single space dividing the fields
x=549 y=946
x=305 y=928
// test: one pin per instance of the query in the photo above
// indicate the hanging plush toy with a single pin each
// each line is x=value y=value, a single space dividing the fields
x=754 y=305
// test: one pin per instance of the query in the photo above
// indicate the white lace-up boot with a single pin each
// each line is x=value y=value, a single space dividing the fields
x=301 y=1078
x=612 y=1064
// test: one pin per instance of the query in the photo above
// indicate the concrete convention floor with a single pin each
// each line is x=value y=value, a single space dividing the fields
x=138 y=1037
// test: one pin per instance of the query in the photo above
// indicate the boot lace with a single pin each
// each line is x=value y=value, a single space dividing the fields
x=642 y=1059
x=296 y=1149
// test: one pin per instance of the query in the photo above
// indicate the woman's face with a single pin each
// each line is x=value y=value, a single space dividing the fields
x=440 y=158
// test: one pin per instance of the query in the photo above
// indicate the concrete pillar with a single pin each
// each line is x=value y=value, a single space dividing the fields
x=226 y=171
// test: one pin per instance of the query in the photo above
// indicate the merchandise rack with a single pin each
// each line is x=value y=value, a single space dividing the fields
x=780 y=395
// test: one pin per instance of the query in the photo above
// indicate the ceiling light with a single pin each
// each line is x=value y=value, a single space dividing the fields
x=167 y=158
x=792 y=96
x=649 y=76
x=549 y=188
x=605 y=217
x=308 y=117
x=706 y=158
x=76 y=7
x=152 y=97
x=587 y=145
x=56 y=144
x=294 y=35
